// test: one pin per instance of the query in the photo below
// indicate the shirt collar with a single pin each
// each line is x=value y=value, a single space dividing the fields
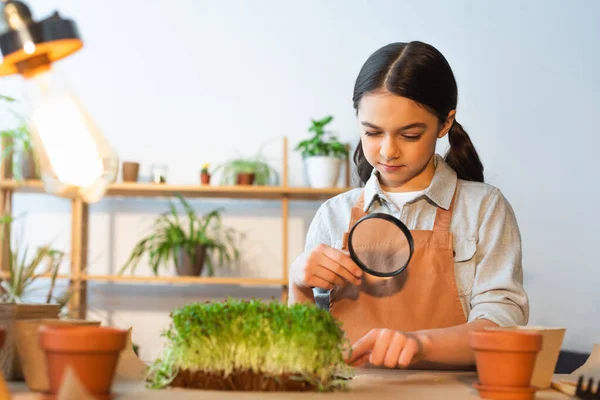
x=440 y=191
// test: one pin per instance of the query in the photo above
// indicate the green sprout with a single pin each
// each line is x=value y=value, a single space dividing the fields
x=272 y=339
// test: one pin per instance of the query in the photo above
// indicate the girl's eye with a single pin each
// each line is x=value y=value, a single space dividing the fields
x=372 y=133
x=412 y=138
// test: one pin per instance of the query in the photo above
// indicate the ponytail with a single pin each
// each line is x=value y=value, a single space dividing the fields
x=462 y=156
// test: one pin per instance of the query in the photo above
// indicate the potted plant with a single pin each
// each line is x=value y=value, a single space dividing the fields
x=190 y=244
x=204 y=174
x=322 y=156
x=18 y=148
x=15 y=303
x=247 y=171
x=252 y=345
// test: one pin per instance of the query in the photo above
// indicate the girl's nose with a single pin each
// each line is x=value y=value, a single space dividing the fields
x=389 y=150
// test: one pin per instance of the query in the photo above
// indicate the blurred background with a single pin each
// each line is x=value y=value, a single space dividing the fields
x=188 y=82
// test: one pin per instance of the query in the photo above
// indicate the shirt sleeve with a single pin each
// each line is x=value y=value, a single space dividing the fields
x=318 y=231
x=498 y=294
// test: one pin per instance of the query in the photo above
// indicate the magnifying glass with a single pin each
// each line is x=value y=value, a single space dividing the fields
x=380 y=244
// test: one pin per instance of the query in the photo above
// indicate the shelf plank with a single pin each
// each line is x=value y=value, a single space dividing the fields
x=202 y=280
x=209 y=280
x=126 y=189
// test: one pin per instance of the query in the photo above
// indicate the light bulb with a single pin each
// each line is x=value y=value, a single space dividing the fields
x=75 y=158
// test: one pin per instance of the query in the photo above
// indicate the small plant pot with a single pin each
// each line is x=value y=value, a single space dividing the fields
x=205 y=178
x=188 y=266
x=31 y=355
x=322 y=171
x=246 y=178
x=130 y=171
x=29 y=166
x=92 y=353
x=10 y=313
x=505 y=358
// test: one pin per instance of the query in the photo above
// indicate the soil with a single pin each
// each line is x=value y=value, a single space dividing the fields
x=240 y=380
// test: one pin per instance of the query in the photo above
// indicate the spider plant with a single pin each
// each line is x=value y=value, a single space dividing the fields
x=170 y=235
x=23 y=271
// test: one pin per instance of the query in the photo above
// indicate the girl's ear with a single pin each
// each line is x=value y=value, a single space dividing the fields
x=447 y=124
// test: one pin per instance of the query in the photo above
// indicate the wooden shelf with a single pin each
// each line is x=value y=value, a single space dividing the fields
x=209 y=280
x=191 y=191
x=201 y=280
x=80 y=225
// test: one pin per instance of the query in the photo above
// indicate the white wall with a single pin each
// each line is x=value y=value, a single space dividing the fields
x=186 y=82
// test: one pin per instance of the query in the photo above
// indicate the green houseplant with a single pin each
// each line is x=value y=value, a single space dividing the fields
x=189 y=244
x=322 y=154
x=19 y=298
x=205 y=174
x=18 y=147
x=23 y=271
x=252 y=345
x=247 y=171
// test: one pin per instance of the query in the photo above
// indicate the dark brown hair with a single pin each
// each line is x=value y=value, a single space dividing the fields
x=419 y=72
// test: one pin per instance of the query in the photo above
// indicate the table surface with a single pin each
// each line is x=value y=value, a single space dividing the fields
x=371 y=384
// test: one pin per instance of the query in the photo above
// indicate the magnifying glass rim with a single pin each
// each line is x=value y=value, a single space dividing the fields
x=394 y=221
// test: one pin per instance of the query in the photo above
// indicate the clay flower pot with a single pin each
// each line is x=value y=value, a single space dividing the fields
x=130 y=171
x=205 y=178
x=505 y=358
x=31 y=356
x=245 y=179
x=92 y=353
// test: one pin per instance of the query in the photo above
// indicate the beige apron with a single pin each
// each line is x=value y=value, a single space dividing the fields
x=424 y=296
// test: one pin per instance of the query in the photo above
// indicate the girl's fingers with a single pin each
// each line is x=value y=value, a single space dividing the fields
x=332 y=265
x=382 y=343
x=393 y=353
x=343 y=260
x=315 y=281
x=410 y=350
x=326 y=274
x=363 y=346
x=361 y=361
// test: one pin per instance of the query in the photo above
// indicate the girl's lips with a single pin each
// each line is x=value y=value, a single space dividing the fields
x=390 y=168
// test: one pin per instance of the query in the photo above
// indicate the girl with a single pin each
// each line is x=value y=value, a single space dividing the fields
x=466 y=269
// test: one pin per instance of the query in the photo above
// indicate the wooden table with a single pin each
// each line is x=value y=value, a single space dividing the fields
x=369 y=384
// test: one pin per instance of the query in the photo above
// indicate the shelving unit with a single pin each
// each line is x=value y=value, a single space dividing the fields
x=80 y=219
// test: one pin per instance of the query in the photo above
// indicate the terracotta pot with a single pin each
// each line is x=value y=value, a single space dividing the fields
x=205 y=178
x=10 y=313
x=245 y=179
x=190 y=266
x=31 y=355
x=92 y=353
x=130 y=171
x=545 y=363
x=505 y=358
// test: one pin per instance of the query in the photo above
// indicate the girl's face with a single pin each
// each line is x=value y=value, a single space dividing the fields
x=398 y=139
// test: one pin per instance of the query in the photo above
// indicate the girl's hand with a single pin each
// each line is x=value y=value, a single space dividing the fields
x=389 y=348
x=325 y=267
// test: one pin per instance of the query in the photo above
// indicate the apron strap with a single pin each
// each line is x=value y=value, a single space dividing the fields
x=443 y=217
x=356 y=214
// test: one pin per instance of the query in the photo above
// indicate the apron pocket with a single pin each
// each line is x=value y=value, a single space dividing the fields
x=464 y=264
